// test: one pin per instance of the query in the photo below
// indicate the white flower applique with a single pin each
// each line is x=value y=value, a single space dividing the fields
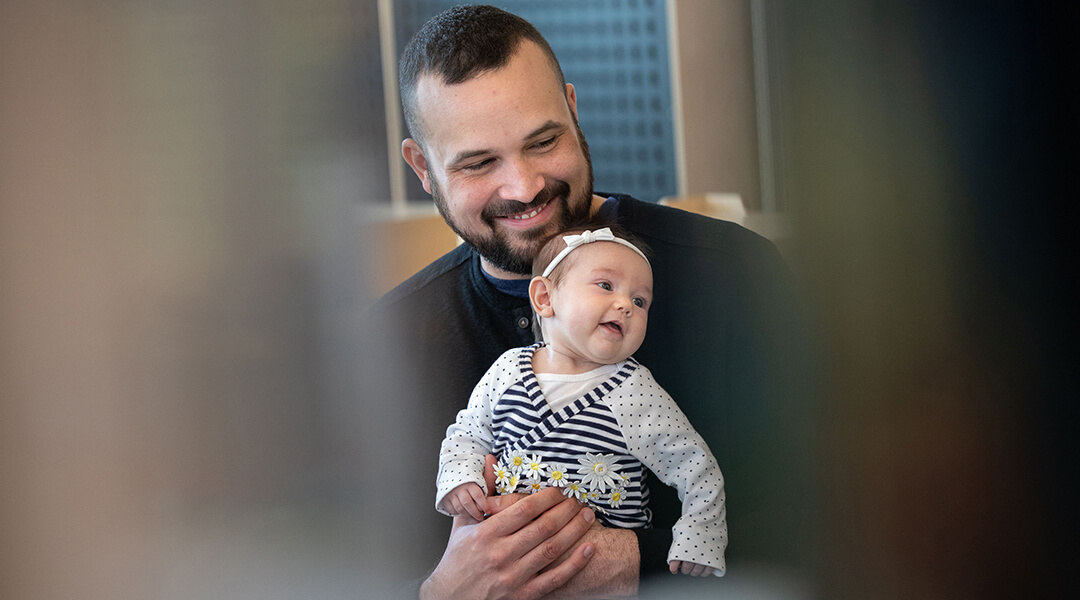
x=617 y=496
x=502 y=478
x=598 y=471
x=557 y=475
x=516 y=461
x=574 y=490
x=532 y=474
x=535 y=468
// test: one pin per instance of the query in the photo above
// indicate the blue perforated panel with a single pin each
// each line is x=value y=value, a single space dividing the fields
x=615 y=53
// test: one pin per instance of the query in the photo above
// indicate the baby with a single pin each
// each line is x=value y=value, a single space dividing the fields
x=576 y=411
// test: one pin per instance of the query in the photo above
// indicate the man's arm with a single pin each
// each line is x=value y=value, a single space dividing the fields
x=613 y=570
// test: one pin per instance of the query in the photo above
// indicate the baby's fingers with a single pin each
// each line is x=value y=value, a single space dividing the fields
x=479 y=506
x=452 y=506
x=474 y=511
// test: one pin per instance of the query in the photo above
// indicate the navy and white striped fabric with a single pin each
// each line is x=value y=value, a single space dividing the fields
x=523 y=421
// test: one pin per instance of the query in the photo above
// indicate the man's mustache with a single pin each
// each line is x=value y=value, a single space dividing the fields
x=509 y=207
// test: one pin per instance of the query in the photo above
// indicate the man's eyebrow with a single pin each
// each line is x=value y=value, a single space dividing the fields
x=467 y=154
x=548 y=126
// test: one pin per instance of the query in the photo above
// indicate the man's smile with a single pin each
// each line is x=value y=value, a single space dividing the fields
x=528 y=214
x=532 y=217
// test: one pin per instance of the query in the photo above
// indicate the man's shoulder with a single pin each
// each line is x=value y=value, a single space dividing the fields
x=446 y=271
x=673 y=227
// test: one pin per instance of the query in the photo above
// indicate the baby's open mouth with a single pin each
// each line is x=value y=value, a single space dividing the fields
x=613 y=327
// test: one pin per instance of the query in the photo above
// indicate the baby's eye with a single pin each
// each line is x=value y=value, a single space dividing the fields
x=604 y=285
x=639 y=302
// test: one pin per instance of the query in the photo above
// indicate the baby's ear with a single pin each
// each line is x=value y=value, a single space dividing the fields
x=540 y=296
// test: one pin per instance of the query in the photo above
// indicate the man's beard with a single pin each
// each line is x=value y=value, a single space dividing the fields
x=497 y=246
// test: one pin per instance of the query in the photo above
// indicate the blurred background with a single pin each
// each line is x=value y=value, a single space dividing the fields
x=198 y=199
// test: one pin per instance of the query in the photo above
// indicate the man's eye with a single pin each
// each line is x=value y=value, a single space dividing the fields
x=545 y=143
x=604 y=285
x=476 y=166
x=639 y=302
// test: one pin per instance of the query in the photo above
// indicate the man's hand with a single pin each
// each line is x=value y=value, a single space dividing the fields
x=505 y=555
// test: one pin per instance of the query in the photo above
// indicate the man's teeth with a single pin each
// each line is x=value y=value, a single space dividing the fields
x=529 y=215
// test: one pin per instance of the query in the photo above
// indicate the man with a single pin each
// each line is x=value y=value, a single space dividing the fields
x=495 y=141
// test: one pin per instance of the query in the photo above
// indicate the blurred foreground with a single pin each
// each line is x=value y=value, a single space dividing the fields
x=181 y=190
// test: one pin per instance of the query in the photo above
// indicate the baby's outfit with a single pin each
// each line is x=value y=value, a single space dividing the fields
x=595 y=446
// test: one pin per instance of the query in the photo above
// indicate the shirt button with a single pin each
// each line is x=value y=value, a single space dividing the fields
x=523 y=323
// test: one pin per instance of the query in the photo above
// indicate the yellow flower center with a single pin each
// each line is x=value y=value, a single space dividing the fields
x=598 y=468
x=557 y=475
x=518 y=461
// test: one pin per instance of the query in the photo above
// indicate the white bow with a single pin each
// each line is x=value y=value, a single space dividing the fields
x=587 y=237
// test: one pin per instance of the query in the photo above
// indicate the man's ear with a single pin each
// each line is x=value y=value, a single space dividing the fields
x=540 y=295
x=414 y=155
x=571 y=99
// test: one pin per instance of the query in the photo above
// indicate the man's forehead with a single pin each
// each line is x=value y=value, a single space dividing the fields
x=528 y=66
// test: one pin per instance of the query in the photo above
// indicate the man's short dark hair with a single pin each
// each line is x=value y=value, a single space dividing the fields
x=459 y=44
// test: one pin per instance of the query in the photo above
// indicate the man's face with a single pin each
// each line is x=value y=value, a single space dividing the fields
x=503 y=157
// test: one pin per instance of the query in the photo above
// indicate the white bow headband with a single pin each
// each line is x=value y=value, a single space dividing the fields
x=587 y=237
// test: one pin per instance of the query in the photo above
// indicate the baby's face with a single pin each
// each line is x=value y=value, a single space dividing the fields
x=601 y=304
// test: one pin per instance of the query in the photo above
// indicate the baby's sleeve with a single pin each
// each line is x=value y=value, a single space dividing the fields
x=470 y=437
x=661 y=437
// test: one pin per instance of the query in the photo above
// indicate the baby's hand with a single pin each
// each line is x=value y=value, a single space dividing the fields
x=467 y=498
x=689 y=568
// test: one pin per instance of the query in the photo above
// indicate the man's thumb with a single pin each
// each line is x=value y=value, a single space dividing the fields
x=489 y=473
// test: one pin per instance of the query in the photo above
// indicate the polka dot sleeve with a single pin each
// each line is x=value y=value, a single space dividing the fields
x=470 y=437
x=661 y=437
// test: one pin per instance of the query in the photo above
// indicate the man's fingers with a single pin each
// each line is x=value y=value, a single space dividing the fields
x=489 y=473
x=548 y=542
x=524 y=511
x=496 y=504
x=549 y=581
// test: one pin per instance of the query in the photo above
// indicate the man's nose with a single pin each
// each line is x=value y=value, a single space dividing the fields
x=521 y=181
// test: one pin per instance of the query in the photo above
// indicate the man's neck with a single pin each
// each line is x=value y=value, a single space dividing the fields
x=498 y=273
